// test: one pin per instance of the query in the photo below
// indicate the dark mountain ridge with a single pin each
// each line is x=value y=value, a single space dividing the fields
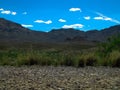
x=10 y=31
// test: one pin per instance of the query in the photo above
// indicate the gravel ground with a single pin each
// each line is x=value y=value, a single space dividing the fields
x=59 y=78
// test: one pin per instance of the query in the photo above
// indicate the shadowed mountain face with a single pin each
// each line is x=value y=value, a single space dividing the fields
x=8 y=26
x=10 y=31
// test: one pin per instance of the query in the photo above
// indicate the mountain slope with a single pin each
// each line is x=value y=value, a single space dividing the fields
x=10 y=31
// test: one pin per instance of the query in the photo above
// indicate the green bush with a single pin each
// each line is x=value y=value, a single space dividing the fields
x=114 y=59
x=89 y=59
x=113 y=43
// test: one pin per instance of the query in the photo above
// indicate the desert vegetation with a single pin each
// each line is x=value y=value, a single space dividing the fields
x=104 y=54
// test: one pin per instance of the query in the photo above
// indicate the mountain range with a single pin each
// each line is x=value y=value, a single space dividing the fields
x=14 y=32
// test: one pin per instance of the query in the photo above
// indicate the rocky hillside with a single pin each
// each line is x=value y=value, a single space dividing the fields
x=10 y=31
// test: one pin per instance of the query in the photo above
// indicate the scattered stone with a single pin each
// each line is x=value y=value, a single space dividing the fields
x=59 y=78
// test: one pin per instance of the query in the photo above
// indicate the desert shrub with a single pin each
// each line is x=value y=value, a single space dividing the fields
x=109 y=52
x=50 y=57
x=39 y=58
x=113 y=43
x=8 y=57
x=30 y=61
x=88 y=59
x=81 y=63
x=68 y=61
x=114 y=59
x=117 y=63
x=68 y=58
x=91 y=61
x=27 y=58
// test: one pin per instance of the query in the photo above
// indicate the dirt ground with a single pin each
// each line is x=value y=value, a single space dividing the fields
x=59 y=78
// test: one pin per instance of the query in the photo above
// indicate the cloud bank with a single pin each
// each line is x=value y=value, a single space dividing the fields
x=62 y=20
x=73 y=26
x=7 y=12
x=42 y=21
x=75 y=9
x=1 y=9
x=27 y=26
x=87 y=18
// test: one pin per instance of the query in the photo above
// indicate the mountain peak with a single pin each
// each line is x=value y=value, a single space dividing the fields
x=9 y=26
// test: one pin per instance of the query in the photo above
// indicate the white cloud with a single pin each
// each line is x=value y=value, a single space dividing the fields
x=62 y=20
x=75 y=9
x=108 y=19
x=98 y=18
x=48 y=22
x=45 y=22
x=105 y=18
x=87 y=18
x=24 y=13
x=13 y=13
x=27 y=26
x=1 y=9
x=73 y=26
x=39 y=21
x=8 y=12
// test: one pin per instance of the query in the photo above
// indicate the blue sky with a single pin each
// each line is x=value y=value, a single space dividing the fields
x=44 y=15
